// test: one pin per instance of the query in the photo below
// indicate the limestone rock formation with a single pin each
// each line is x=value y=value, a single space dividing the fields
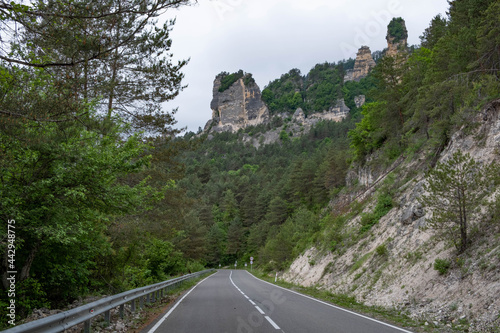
x=336 y=113
x=363 y=64
x=236 y=107
x=359 y=100
x=397 y=37
x=299 y=116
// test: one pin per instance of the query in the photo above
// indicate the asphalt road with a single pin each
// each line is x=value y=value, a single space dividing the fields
x=237 y=302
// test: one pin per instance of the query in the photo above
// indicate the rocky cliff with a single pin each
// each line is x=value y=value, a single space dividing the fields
x=363 y=64
x=238 y=106
x=298 y=124
x=393 y=266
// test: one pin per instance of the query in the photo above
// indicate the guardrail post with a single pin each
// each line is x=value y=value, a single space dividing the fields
x=107 y=317
x=122 y=310
x=86 y=326
x=141 y=302
x=132 y=306
x=152 y=297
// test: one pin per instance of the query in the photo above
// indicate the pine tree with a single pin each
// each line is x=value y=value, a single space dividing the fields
x=456 y=189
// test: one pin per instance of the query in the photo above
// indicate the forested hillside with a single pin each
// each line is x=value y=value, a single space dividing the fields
x=244 y=194
x=254 y=201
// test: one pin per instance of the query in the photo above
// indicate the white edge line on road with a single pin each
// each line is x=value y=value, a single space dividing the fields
x=333 y=306
x=260 y=310
x=252 y=302
x=154 y=328
x=276 y=327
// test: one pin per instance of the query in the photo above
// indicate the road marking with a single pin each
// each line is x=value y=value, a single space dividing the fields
x=333 y=306
x=154 y=328
x=272 y=323
x=260 y=310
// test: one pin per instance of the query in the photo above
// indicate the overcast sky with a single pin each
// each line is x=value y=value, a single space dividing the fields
x=269 y=37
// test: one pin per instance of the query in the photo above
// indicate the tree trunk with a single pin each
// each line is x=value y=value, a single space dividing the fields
x=25 y=271
x=463 y=221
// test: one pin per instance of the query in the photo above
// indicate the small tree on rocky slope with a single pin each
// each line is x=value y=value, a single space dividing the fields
x=455 y=190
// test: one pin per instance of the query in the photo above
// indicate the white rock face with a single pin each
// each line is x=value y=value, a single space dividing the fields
x=237 y=107
x=404 y=276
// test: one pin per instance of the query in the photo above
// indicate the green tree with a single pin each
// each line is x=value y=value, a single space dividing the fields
x=434 y=32
x=456 y=189
x=110 y=52
x=62 y=185
x=216 y=245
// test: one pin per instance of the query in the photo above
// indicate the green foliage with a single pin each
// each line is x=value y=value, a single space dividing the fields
x=384 y=205
x=248 y=195
x=284 y=94
x=322 y=87
x=397 y=29
x=30 y=296
x=284 y=136
x=229 y=79
x=290 y=240
x=82 y=186
x=456 y=189
x=161 y=259
x=434 y=32
x=351 y=89
x=368 y=220
x=62 y=186
x=442 y=265
x=315 y=92
x=335 y=233
x=414 y=257
x=381 y=250
x=370 y=133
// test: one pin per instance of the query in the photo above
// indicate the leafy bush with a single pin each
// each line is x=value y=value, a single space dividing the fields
x=381 y=250
x=368 y=220
x=384 y=205
x=30 y=296
x=442 y=266
x=228 y=80
x=162 y=260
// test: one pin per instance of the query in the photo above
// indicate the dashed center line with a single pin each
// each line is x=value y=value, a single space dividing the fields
x=272 y=322
x=253 y=303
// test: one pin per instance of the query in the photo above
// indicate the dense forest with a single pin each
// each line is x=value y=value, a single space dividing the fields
x=98 y=194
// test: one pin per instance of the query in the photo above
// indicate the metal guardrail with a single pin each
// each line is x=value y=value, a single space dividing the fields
x=85 y=313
